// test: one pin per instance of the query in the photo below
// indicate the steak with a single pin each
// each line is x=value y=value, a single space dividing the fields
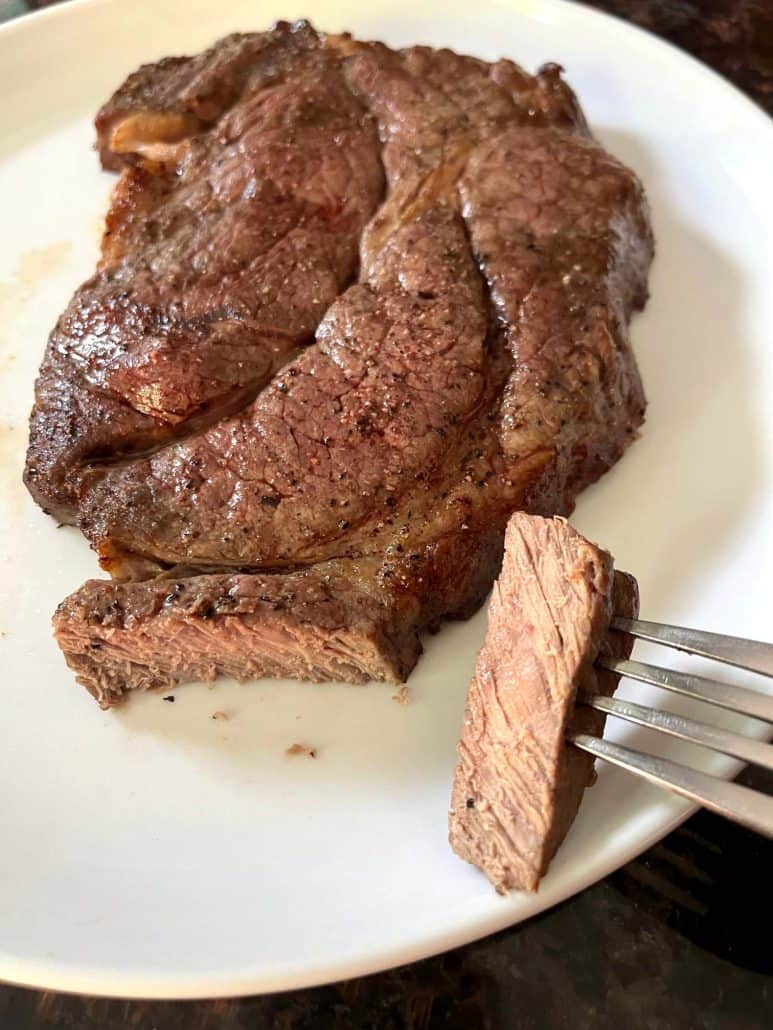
x=518 y=786
x=355 y=306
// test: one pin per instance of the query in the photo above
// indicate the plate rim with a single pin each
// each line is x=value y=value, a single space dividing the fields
x=570 y=8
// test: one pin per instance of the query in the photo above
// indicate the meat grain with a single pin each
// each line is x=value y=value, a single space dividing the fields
x=518 y=784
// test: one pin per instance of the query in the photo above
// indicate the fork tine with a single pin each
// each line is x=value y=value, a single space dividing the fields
x=753 y=655
x=741 y=804
x=724 y=695
x=685 y=729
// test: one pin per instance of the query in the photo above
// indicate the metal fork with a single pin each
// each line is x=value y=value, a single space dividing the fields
x=741 y=804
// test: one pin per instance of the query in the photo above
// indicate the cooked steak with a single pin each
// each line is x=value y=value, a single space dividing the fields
x=518 y=785
x=480 y=363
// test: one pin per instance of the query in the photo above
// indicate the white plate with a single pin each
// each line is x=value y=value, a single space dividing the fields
x=159 y=853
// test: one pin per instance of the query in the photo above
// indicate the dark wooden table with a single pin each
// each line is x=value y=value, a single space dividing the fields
x=680 y=939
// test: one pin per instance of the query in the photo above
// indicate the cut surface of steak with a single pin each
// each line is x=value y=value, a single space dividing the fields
x=518 y=784
x=326 y=623
x=224 y=395
x=346 y=619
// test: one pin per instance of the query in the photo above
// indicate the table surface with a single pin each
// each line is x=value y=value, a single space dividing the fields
x=678 y=939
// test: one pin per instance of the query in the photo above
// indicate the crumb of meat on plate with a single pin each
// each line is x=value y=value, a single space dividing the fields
x=301 y=749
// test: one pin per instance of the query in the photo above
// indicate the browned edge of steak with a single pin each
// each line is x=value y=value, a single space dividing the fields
x=518 y=785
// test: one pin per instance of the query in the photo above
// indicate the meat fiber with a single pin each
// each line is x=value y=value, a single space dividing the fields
x=518 y=784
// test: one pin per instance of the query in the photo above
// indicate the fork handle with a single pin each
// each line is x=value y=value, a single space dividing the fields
x=753 y=655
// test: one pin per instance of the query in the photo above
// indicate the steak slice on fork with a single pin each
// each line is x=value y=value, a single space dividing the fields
x=518 y=784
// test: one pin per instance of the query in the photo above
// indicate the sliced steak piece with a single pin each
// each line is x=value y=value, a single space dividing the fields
x=349 y=619
x=323 y=624
x=518 y=785
x=216 y=267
